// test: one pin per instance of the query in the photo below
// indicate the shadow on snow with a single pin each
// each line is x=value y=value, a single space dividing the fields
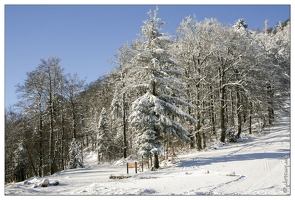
x=239 y=157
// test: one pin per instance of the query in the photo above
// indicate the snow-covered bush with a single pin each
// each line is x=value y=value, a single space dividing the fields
x=230 y=134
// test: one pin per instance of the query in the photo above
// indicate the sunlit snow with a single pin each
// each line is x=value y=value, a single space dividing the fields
x=256 y=165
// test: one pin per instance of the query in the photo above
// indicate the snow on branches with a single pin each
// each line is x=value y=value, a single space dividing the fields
x=157 y=113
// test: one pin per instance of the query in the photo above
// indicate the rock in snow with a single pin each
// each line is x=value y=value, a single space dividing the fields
x=231 y=174
x=45 y=182
x=55 y=182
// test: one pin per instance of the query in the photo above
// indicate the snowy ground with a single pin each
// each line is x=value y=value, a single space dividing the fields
x=259 y=165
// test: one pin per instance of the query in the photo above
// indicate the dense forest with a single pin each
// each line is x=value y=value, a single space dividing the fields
x=166 y=94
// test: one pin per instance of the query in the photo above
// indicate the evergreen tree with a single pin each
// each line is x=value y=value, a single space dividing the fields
x=75 y=156
x=119 y=123
x=156 y=112
x=104 y=143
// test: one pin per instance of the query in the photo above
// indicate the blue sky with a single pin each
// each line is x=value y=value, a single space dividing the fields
x=85 y=37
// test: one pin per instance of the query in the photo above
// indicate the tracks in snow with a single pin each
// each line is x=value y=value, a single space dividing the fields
x=269 y=151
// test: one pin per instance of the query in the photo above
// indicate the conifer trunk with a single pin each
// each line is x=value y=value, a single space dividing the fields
x=156 y=157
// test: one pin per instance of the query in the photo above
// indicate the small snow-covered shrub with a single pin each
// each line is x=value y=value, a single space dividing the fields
x=75 y=156
x=230 y=133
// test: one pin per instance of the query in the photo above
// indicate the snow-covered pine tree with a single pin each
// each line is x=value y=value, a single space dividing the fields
x=104 y=142
x=118 y=115
x=156 y=113
x=75 y=156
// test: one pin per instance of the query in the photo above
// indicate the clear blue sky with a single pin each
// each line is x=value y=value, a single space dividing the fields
x=85 y=37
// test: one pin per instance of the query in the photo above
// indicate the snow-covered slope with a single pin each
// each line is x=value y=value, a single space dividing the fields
x=258 y=166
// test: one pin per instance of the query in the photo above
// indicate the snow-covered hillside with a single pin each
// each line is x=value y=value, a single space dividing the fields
x=257 y=165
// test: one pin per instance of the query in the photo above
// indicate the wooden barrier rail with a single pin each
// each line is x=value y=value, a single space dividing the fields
x=132 y=165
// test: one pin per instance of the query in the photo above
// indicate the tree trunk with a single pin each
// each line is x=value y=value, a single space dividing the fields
x=232 y=109
x=250 y=117
x=239 y=113
x=167 y=148
x=151 y=160
x=198 y=133
x=156 y=160
x=199 y=141
x=192 y=141
x=74 y=119
x=40 y=143
x=270 y=104
x=192 y=137
x=51 y=146
x=62 y=141
x=204 y=140
x=222 y=102
x=222 y=114
x=124 y=128
x=212 y=111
